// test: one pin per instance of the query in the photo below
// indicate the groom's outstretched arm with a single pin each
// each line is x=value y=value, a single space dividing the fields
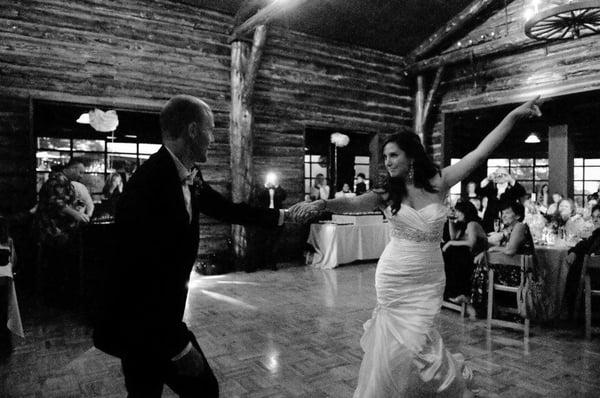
x=214 y=205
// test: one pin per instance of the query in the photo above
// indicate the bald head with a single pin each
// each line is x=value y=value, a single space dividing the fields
x=179 y=112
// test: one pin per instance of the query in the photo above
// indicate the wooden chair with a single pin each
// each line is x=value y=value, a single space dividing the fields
x=523 y=262
x=462 y=308
x=590 y=262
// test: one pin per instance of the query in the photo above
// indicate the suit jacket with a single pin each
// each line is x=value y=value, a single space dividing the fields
x=513 y=193
x=156 y=246
x=590 y=245
x=264 y=198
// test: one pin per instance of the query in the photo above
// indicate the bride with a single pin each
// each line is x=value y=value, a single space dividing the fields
x=404 y=355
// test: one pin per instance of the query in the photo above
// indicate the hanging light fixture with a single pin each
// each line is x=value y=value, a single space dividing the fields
x=532 y=138
x=562 y=19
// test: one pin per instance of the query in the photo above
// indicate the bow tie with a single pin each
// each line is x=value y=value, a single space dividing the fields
x=189 y=179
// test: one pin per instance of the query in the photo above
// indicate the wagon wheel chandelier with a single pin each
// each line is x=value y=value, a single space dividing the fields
x=570 y=20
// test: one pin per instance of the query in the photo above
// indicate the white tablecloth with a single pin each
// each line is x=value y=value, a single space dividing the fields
x=341 y=244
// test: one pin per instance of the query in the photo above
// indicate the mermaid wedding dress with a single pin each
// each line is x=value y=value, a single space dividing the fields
x=404 y=355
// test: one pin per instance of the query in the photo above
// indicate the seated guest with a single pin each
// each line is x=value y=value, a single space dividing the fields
x=467 y=239
x=83 y=201
x=361 y=186
x=574 y=260
x=553 y=208
x=58 y=220
x=112 y=191
x=543 y=198
x=345 y=192
x=320 y=189
x=515 y=238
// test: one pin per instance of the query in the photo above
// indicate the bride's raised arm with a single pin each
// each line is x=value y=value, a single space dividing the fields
x=459 y=171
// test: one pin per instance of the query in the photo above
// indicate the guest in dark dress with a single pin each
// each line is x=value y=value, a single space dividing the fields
x=574 y=260
x=498 y=188
x=515 y=238
x=467 y=239
x=112 y=192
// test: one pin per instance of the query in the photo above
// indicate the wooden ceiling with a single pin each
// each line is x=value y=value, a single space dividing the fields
x=393 y=26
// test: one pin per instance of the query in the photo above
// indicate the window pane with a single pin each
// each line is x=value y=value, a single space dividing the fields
x=455 y=160
x=541 y=162
x=316 y=169
x=361 y=160
x=306 y=158
x=362 y=169
x=93 y=162
x=315 y=158
x=578 y=173
x=592 y=162
x=88 y=145
x=497 y=162
x=528 y=185
x=306 y=169
x=307 y=185
x=592 y=173
x=94 y=182
x=62 y=144
x=122 y=147
x=541 y=173
x=47 y=159
x=521 y=162
x=578 y=161
x=123 y=162
x=578 y=187
x=522 y=173
x=590 y=187
x=149 y=148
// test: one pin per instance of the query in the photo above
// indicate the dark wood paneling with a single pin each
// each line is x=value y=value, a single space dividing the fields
x=491 y=77
x=137 y=54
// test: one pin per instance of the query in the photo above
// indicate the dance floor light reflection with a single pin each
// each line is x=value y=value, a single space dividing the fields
x=229 y=300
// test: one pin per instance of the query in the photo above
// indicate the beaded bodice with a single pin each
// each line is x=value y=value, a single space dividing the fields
x=423 y=225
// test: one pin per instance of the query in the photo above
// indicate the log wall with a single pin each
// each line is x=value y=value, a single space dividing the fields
x=136 y=54
x=517 y=69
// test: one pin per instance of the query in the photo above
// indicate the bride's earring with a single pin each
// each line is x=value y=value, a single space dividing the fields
x=410 y=177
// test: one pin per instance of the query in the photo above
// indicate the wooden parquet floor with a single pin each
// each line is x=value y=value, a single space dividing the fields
x=295 y=333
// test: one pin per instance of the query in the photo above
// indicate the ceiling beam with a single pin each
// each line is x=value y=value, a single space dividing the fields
x=273 y=10
x=456 y=24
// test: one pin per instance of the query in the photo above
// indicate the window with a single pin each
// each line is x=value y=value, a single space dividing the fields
x=531 y=173
x=313 y=165
x=361 y=165
x=455 y=189
x=101 y=157
x=586 y=179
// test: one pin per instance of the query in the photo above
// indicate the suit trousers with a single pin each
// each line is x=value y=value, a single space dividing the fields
x=145 y=378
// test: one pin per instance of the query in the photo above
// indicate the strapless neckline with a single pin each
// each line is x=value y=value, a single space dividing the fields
x=422 y=208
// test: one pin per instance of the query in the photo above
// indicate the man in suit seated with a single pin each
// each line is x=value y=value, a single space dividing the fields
x=574 y=260
x=156 y=241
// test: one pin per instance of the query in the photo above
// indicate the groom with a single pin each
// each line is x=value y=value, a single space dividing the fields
x=156 y=242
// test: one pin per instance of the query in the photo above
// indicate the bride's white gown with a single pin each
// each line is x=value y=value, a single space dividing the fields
x=404 y=353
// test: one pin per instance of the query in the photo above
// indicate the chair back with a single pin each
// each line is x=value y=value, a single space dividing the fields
x=525 y=261
x=591 y=262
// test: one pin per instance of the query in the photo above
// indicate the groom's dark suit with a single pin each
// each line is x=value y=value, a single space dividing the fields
x=156 y=246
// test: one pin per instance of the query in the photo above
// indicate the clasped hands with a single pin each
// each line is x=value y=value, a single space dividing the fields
x=305 y=212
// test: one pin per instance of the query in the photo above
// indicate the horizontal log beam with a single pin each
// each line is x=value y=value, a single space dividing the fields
x=457 y=23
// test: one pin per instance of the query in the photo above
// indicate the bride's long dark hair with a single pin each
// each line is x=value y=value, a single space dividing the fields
x=424 y=168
